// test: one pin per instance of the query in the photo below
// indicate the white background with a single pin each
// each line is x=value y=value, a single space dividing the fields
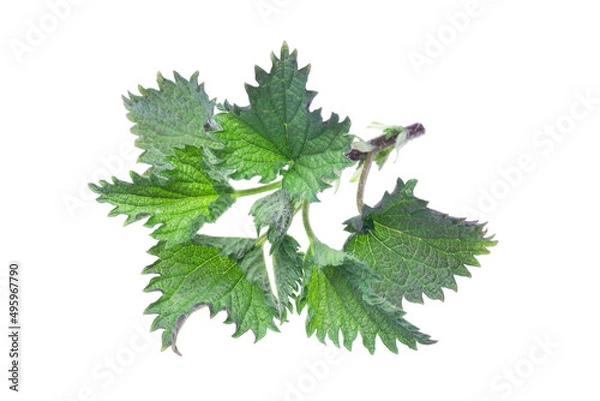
x=510 y=70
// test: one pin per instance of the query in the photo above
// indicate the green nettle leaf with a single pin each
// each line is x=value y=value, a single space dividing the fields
x=339 y=299
x=178 y=114
x=191 y=275
x=287 y=269
x=399 y=249
x=415 y=250
x=278 y=134
x=275 y=211
x=248 y=252
x=323 y=255
x=181 y=200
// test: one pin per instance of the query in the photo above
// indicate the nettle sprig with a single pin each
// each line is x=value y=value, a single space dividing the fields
x=397 y=250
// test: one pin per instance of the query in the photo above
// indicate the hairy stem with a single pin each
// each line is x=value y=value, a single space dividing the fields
x=261 y=240
x=305 y=220
x=257 y=190
x=362 y=183
x=381 y=142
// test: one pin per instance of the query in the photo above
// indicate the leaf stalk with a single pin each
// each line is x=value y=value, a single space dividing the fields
x=362 y=182
x=306 y=222
x=256 y=190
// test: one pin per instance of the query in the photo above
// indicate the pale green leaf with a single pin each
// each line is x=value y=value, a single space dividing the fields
x=191 y=276
x=179 y=113
x=340 y=300
x=180 y=201
x=287 y=269
x=275 y=211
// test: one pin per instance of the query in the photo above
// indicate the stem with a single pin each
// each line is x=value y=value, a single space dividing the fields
x=305 y=220
x=256 y=190
x=261 y=240
x=381 y=142
x=362 y=183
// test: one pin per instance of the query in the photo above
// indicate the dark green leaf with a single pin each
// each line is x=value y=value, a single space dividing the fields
x=414 y=249
x=278 y=134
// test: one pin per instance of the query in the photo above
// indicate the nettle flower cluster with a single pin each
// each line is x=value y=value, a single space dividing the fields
x=397 y=250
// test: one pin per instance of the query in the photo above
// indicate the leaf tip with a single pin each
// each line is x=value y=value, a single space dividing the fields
x=175 y=349
x=285 y=50
x=160 y=79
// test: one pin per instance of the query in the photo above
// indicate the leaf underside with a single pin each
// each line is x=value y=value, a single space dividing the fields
x=275 y=211
x=287 y=270
x=179 y=113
